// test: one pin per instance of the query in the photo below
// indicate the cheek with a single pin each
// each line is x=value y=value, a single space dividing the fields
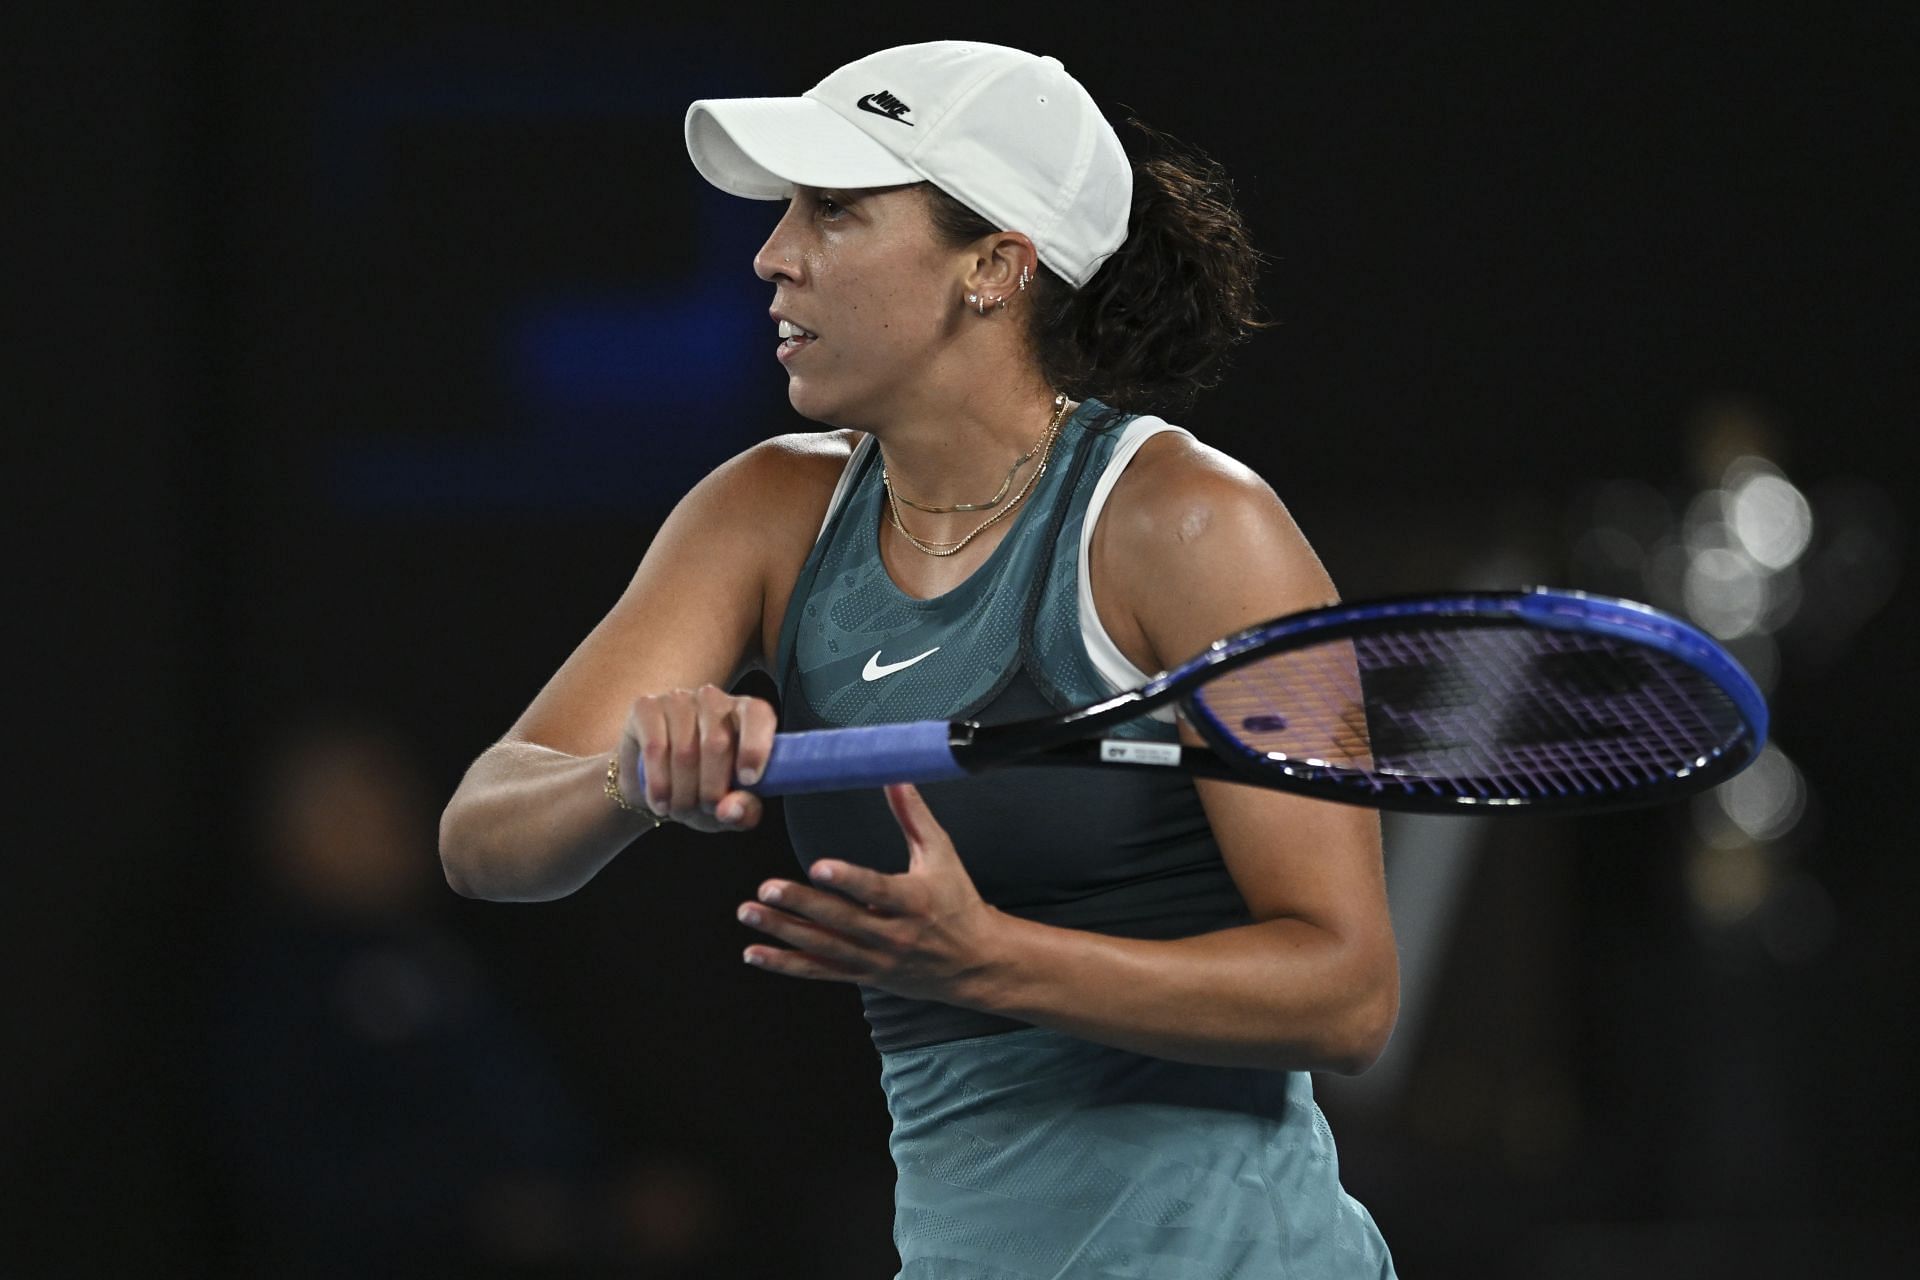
x=882 y=323
x=908 y=309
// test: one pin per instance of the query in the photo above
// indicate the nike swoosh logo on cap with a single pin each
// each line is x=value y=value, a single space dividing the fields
x=876 y=668
x=885 y=104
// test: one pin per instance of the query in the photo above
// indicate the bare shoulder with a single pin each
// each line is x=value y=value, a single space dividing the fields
x=757 y=511
x=820 y=449
x=763 y=508
x=1181 y=500
x=794 y=473
x=1197 y=544
x=706 y=600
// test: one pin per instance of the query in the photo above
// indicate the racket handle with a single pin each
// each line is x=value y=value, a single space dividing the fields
x=868 y=756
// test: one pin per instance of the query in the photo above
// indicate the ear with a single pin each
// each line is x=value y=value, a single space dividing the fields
x=1004 y=263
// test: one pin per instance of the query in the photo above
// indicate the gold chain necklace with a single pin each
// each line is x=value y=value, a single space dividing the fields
x=1058 y=401
x=1045 y=449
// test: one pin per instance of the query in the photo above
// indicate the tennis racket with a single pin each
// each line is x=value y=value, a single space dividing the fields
x=1467 y=703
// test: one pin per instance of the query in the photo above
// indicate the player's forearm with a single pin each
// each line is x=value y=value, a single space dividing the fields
x=1283 y=994
x=529 y=824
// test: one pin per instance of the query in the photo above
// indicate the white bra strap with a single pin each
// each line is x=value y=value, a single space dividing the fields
x=1114 y=666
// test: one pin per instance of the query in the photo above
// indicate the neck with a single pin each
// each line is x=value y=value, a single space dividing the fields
x=961 y=453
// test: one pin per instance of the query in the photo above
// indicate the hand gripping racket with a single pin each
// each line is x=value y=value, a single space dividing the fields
x=1467 y=703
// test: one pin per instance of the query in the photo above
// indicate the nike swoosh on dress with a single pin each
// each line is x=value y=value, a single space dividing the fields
x=876 y=668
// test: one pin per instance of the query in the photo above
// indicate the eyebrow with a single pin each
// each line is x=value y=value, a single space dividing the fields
x=861 y=193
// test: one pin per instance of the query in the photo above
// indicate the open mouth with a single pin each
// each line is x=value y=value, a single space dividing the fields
x=793 y=336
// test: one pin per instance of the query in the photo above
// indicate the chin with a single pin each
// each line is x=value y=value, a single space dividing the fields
x=811 y=402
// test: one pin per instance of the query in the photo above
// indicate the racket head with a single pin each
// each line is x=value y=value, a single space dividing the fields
x=1544 y=699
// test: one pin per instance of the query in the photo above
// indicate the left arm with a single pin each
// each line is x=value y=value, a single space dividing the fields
x=1192 y=547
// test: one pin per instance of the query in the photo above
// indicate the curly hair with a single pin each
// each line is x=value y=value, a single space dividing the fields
x=1155 y=325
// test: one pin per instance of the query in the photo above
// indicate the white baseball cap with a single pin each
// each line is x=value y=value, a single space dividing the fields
x=1010 y=135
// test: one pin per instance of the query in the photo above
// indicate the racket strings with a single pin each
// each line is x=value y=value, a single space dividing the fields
x=1482 y=710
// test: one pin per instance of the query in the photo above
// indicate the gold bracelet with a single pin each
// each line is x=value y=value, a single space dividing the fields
x=613 y=794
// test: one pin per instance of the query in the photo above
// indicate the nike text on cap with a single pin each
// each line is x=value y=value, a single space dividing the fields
x=1010 y=135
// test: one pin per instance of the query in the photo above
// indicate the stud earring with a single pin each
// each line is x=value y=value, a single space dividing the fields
x=1025 y=276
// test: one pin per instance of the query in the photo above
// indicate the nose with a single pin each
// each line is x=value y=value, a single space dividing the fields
x=779 y=258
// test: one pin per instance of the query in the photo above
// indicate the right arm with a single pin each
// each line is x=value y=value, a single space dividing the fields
x=531 y=820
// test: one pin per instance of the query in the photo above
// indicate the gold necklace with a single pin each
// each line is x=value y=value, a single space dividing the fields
x=1045 y=449
x=1058 y=401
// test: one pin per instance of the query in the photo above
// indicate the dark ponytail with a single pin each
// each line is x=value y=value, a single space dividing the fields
x=1153 y=328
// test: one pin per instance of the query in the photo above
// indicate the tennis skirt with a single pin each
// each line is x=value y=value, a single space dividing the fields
x=1034 y=1154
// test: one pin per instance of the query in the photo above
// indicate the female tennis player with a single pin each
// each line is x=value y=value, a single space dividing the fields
x=1096 y=995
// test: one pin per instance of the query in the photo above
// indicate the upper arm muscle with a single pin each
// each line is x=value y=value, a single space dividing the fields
x=696 y=610
x=1194 y=546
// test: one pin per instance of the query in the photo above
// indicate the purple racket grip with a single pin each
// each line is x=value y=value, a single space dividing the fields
x=870 y=756
x=843 y=759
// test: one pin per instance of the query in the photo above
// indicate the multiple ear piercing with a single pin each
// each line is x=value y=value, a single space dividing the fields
x=979 y=301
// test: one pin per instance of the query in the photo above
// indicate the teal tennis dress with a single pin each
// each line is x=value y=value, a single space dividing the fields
x=1024 y=1152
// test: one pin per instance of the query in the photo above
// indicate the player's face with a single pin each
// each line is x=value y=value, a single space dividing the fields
x=876 y=293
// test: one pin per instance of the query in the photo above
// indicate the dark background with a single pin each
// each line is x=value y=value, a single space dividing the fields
x=361 y=349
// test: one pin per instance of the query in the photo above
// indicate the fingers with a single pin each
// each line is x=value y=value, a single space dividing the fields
x=683 y=754
x=797 y=964
x=718 y=738
x=740 y=810
x=757 y=723
x=909 y=810
x=921 y=933
x=838 y=932
x=830 y=911
x=690 y=745
x=883 y=893
x=647 y=728
x=926 y=838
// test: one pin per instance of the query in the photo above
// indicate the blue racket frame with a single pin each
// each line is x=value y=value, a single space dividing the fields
x=1559 y=609
x=935 y=750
